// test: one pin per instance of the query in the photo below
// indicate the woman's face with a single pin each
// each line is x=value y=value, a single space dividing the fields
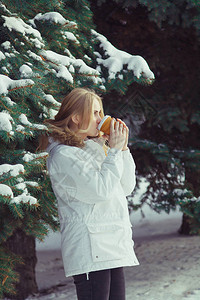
x=95 y=120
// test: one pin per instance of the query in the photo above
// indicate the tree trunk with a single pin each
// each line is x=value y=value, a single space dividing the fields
x=193 y=182
x=185 y=226
x=24 y=245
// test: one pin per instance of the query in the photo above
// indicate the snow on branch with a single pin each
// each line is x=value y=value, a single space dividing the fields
x=6 y=122
x=23 y=198
x=2 y=56
x=61 y=62
x=24 y=120
x=116 y=60
x=53 y=17
x=7 y=84
x=28 y=156
x=14 y=170
x=17 y=24
x=5 y=190
x=51 y=100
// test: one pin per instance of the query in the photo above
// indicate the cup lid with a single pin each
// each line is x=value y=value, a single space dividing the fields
x=102 y=121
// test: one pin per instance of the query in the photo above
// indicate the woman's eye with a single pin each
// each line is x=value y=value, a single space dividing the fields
x=96 y=113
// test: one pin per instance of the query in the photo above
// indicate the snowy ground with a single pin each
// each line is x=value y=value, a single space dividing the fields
x=169 y=263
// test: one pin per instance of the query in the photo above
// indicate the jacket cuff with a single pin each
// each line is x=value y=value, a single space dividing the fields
x=126 y=152
x=114 y=151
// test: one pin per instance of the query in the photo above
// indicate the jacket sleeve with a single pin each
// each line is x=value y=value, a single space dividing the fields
x=128 y=179
x=73 y=175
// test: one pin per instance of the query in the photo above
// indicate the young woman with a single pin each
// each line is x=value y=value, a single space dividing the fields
x=91 y=188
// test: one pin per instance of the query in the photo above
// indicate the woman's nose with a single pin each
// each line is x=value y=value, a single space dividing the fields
x=99 y=119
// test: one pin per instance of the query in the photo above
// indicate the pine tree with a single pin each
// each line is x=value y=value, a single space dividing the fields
x=167 y=148
x=47 y=48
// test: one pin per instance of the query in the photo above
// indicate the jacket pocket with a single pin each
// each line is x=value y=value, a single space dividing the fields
x=107 y=242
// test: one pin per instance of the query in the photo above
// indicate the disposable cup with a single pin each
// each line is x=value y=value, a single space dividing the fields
x=104 y=125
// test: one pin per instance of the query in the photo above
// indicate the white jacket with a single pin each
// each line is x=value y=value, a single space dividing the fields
x=91 y=190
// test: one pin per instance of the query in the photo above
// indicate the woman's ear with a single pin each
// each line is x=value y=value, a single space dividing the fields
x=76 y=119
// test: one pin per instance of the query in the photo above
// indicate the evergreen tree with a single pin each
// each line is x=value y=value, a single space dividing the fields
x=46 y=49
x=167 y=148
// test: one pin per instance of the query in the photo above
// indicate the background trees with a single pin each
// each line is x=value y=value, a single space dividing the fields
x=166 y=144
x=46 y=49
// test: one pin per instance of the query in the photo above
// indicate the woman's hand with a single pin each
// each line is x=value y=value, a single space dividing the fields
x=118 y=135
x=127 y=135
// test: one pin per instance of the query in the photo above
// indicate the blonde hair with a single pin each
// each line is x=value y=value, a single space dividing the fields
x=80 y=101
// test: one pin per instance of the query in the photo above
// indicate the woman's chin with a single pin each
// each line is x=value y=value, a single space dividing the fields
x=94 y=134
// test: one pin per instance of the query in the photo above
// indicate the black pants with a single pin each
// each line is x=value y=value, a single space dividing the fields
x=101 y=285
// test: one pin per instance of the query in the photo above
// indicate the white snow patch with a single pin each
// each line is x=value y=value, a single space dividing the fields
x=9 y=54
x=93 y=74
x=23 y=119
x=6 y=83
x=71 y=69
x=24 y=199
x=5 y=121
x=56 y=58
x=5 y=70
x=4 y=8
x=68 y=53
x=53 y=17
x=51 y=99
x=25 y=71
x=72 y=24
x=32 y=183
x=5 y=190
x=9 y=101
x=40 y=126
x=34 y=56
x=6 y=45
x=2 y=56
x=70 y=36
x=180 y=192
x=17 y=24
x=97 y=54
x=31 y=156
x=52 y=113
x=14 y=170
x=20 y=128
x=87 y=57
x=117 y=59
x=37 y=42
x=21 y=186
x=65 y=74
